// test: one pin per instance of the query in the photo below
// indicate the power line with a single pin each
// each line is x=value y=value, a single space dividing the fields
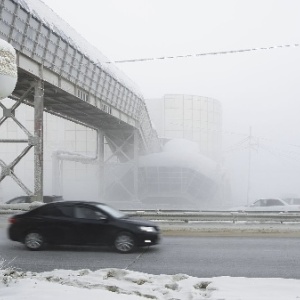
x=237 y=146
x=281 y=153
x=203 y=54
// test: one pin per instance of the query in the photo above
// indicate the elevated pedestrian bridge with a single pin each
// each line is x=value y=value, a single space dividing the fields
x=61 y=73
x=79 y=82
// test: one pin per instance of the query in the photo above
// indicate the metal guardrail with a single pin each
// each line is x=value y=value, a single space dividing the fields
x=187 y=216
x=218 y=216
x=20 y=207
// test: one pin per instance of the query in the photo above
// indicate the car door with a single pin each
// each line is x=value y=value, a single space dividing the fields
x=94 y=227
x=58 y=225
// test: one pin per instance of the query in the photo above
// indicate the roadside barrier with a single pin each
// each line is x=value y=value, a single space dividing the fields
x=187 y=216
x=218 y=216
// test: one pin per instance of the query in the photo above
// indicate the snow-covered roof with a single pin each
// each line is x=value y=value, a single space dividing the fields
x=7 y=59
x=8 y=69
x=5 y=46
x=52 y=20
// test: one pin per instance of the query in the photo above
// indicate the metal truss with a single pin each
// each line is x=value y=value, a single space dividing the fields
x=33 y=140
x=109 y=165
x=132 y=165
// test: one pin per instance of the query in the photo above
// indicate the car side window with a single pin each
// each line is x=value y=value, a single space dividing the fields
x=274 y=202
x=51 y=212
x=258 y=203
x=296 y=201
x=62 y=211
x=82 y=212
x=67 y=211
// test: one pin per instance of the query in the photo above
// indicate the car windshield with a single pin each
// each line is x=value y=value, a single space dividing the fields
x=111 y=211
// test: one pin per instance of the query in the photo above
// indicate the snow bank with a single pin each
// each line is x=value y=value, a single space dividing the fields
x=124 y=284
x=20 y=206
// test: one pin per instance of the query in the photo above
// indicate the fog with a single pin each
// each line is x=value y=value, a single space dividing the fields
x=259 y=90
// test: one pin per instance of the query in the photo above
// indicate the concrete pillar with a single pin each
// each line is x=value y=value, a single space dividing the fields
x=38 y=136
x=100 y=154
x=136 y=166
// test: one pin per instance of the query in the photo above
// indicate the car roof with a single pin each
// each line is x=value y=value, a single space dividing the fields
x=268 y=199
x=77 y=202
x=32 y=195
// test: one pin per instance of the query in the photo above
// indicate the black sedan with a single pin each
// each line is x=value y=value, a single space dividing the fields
x=81 y=223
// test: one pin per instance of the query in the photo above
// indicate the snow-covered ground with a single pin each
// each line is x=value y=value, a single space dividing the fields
x=118 y=284
x=124 y=284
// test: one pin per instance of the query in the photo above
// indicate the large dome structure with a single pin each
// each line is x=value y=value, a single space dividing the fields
x=179 y=177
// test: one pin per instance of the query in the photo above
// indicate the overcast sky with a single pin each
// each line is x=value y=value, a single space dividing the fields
x=258 y=89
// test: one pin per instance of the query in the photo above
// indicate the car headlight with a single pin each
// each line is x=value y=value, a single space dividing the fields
x=147 y=228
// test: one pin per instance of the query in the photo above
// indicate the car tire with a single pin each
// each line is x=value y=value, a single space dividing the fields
x=124 y=242
x=34 y=241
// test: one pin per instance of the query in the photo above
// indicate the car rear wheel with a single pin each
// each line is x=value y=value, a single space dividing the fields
x=34 y=241
x=124 y=242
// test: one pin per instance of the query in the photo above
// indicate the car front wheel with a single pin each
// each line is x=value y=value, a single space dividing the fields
x=124 y=242
x=34 y=241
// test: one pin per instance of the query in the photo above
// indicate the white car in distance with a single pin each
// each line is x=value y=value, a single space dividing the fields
x=272 y=204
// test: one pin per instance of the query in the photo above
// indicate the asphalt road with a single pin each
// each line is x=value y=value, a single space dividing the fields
x=200 y=256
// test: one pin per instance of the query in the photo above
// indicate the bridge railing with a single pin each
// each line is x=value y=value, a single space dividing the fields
x=50 y=42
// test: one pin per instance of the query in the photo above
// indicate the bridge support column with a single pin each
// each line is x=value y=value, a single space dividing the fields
x=38 y=145
x=8 y=169
x=100 y=141
x=136 y=165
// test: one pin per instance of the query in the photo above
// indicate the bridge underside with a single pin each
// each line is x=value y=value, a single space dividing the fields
x=63 y=104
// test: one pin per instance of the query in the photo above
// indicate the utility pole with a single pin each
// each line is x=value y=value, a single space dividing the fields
x=249 y=164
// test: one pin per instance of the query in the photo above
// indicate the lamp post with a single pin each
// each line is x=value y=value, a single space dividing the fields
x=249 y=165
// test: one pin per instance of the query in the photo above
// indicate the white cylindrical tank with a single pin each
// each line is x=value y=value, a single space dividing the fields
x=191 y=117
x=8 y=69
